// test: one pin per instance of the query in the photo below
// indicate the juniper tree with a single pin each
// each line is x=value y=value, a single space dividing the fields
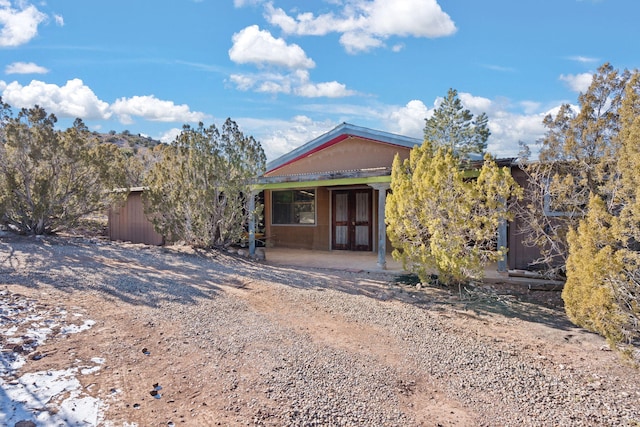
x=602 y=292
x=577 y=160
x=199 y=191
x=49 y=179
x=439 y=220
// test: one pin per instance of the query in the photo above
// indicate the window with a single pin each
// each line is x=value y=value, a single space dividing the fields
x=293 y=207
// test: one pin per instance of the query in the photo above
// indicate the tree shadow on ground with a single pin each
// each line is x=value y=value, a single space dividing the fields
x=150 y=276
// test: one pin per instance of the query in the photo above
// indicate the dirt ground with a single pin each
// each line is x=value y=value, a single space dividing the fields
x=148 y=357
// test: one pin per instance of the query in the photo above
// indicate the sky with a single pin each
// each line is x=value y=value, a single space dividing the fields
x=288 y=71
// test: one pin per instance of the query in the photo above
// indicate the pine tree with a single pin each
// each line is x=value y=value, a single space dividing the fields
x=453 y=127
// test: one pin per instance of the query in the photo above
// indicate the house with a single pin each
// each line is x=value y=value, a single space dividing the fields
x=330 y=194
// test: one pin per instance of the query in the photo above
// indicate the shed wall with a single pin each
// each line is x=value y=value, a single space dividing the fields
x=128 y=223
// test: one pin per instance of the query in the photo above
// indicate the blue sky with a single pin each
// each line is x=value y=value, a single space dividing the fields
x=287 y=71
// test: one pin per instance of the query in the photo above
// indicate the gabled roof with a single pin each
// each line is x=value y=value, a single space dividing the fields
x=338 y=134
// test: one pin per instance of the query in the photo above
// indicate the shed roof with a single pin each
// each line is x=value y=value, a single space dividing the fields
x=338 y=134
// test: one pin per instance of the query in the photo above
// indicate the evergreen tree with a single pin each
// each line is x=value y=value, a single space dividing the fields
x=439 y=221
x=454 y=127
x=602 y=292
x=198 y=192
x=49 y=179
x=576 y=161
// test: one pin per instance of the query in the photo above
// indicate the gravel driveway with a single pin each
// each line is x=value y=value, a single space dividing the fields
x=206 y=338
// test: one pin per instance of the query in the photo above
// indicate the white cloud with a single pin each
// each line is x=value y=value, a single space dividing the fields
x=296 y=83
x=170 y=135
x=577 y=82
x=74 y=99
x=327 y=89
x=410 y=119
x=59 y=20
x=18 y=26
x=25 y=68
x=584 y=59
x=365 y=24
x=151 y=108
x=259 y=47
x=278 y=137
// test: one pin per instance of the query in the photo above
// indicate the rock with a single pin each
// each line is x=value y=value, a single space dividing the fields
x=260 y=254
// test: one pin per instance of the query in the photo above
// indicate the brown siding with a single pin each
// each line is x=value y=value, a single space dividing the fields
x=128 y=223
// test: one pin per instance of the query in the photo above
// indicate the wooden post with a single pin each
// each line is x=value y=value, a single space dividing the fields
x=382 y=225
x=252 y=223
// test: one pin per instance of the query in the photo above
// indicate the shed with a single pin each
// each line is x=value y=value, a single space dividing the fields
x=128 y=222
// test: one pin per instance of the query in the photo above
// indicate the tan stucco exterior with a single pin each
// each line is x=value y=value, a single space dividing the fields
x=352 y=153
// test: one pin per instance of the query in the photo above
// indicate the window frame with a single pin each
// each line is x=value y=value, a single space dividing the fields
x=293 y=203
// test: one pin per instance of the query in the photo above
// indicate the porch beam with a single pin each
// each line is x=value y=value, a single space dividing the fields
x=319 y=183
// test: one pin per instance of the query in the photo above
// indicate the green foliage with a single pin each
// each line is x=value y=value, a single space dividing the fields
x=454 y=127
x=577 y=159
x=198 y=191
x=438 y=220
x=49 y=179
x=602 y=292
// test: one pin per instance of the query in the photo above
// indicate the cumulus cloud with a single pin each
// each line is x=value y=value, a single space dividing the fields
x=25 y=68
x=577 y=82
x=327 y=89
x=410 y=119
x=59 y=20
x=365 y=24
x=18 y=25
x=74 y=99
x=151 y=108
x=254 y=46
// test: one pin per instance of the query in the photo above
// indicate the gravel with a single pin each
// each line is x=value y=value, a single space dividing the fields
x=302 y=382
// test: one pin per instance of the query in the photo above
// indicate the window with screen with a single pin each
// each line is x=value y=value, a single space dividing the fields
x=293 y=207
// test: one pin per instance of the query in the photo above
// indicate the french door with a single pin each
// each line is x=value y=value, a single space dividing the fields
x=351 y=220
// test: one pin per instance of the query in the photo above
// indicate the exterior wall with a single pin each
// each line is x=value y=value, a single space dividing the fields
x=519 y=256
x=128 y=223
x=351 y=154
x=315 y=237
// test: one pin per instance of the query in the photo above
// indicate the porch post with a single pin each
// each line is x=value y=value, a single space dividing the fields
x=382 y=225
x=252 y=223
x=502 y=243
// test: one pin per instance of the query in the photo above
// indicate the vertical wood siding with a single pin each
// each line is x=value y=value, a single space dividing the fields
x=129 y=224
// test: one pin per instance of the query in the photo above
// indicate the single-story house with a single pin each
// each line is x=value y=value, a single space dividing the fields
x=330 y=194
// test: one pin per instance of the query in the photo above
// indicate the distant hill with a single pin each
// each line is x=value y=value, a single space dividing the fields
x=127 y=140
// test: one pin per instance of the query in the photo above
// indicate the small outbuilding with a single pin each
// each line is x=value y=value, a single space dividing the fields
x=128 y=223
